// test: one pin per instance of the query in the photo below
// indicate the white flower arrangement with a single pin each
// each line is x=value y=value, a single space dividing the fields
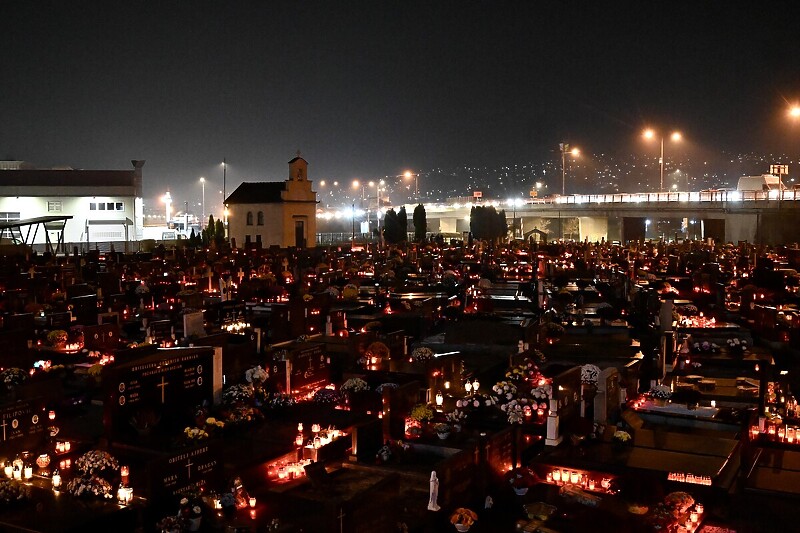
x=590 y=374
x=469 y=403
x=456 y=416
x=514 y=411
x=11 y=377
x=256 y=374
x=90 y=486
x=660 y=392
x=354 y=385
x=423 y=353
x=737 y=346
x=96 y=461
x=505 y=390
x=542 y=392
x=238 y=393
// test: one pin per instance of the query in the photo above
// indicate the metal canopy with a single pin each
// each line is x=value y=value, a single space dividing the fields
x=14 y=232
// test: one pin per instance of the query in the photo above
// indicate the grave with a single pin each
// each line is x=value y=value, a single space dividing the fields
x=23 y=426
x=607 y=398
x=156 y=394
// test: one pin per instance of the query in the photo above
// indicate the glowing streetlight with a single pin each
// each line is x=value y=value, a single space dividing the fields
x=650 y=134
x=565 y=149
x=202 y=220
x=167 y=199
x=794 y=111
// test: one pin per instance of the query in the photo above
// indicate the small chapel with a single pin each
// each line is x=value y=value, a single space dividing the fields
x=275 y=213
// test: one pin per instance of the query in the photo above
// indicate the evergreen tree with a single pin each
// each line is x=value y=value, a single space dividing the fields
x=402 y=221
x=420 y=223
x=391 y=225
x=219 y=232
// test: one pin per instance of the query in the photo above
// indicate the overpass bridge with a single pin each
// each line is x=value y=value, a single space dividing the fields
x=771 y=217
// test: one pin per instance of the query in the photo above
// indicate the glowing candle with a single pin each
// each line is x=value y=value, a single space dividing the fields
x=56 y=480
x=124 y=472
x=693 y=517
x=252 y=501
x=556 y=475
x=9 y=471
x=28 y=472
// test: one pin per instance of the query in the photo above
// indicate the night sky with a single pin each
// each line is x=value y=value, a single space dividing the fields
x=368 y=89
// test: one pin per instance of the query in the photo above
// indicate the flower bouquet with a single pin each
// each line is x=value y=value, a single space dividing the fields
x=526 y=370
x=57 y=337
x=422 y=353
x=171 y=524
x=590 y=374
x=242 y=393
x=96 y=461
x=621 y=437
x=354 y=385
x=660 y=394
x=377 y=349
x=705 y=347
x=421 y=413
x=327 y=396
x=442 y=430
x=13 y=377
x=463 y=518
x=12 y=491
x=678 y=502
x=737 y=347
x=194 y=434
x=521 y=479
x=256 y=375
x=277 y=400
x=89 y=485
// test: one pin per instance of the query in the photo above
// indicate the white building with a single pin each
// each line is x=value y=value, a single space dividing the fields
x=282 y=213
x=105 y=205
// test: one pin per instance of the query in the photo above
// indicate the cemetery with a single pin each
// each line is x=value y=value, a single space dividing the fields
x=425 y=387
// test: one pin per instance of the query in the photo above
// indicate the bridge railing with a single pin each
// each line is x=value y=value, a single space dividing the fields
x=661 y=197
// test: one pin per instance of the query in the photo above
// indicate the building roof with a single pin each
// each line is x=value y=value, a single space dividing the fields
x=264 y=192
x=66 y=178
x=296 y=158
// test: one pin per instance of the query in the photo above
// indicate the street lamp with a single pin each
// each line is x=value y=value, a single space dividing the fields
x=203 y=184
x=794 y=111
x=573 y=152
x=168 y=202
x=650 y=134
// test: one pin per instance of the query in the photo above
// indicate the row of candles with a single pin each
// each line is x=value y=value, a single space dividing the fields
x=789 y=434
x=689 y=478
x=564 y=476
x=321 y=438
x=285 y=471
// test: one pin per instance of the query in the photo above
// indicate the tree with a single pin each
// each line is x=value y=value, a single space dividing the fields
x=219 y=232
x=402 y=220
x=487 y=224
x=391 y=227
x=420 y=223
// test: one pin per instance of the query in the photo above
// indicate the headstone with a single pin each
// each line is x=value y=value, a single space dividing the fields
x=160 y=330
x=184 y=472
x=193 y=324
x=102 y=337
x=606 y=401
x=159 y=391
x=22 y=426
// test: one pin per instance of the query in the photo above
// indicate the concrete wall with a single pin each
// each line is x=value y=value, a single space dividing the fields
x=593 y=228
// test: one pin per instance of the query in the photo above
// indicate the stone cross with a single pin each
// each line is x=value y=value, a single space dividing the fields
x=241 y=275
x=4 y=425
x=189 y=464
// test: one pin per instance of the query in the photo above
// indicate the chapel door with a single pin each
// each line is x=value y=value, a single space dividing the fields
x=299 y=234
